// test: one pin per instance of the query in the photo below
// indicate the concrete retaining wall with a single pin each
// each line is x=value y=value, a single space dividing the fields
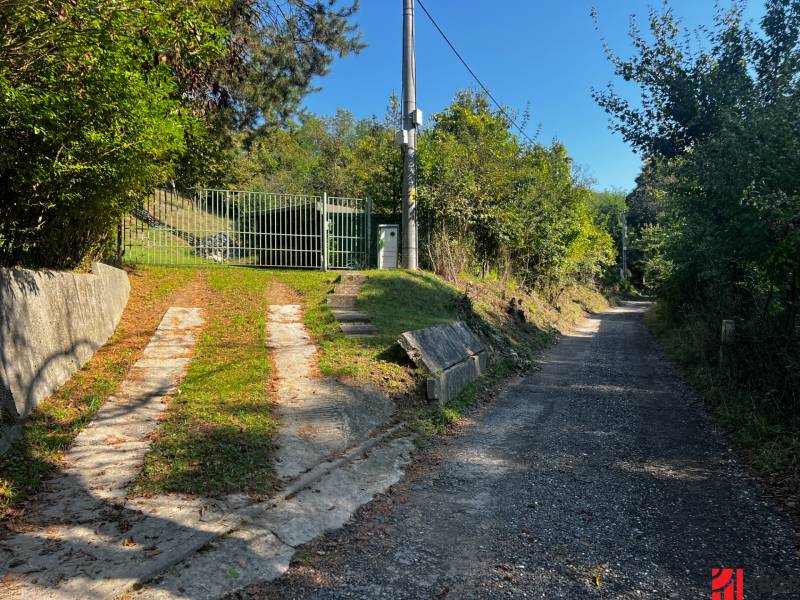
x=50 y=325
x=452 y=354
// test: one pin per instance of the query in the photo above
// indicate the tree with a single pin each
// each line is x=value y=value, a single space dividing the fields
x=718 y=202
x=278 y=47
x=91 y=115
x=492 y=202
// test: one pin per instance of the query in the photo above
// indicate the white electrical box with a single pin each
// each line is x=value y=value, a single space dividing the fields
x=401 y=137
x=416 y=117
x=388 y=246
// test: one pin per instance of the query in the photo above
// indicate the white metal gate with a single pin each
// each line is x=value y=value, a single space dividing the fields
x=227 y=227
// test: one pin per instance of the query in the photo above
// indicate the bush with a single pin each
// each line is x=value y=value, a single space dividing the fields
x=90 y=116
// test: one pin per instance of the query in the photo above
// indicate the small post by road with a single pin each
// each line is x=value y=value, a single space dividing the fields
x=726 y=339
x=409 y=140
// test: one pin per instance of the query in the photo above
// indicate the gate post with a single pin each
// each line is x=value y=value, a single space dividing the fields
x=228 y=224
x=368 y=255
x=324 y=231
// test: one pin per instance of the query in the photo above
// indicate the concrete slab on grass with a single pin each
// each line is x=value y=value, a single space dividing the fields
x=438 y=348
x=319 y=416
x=82 y=539
x=452 y=354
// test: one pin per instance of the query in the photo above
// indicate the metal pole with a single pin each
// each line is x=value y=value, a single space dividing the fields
x=325 y=231
x=410 y=146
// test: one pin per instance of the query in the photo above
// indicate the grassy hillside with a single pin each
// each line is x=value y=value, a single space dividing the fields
x=216 y=437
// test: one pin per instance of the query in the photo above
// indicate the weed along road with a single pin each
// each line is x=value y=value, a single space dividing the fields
x=597 y=476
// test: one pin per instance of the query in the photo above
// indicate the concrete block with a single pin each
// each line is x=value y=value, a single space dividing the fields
x=440 y=347
x=444 y=386
x=52 y=323
x=452 y=354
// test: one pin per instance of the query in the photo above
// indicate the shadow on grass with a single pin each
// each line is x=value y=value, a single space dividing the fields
x=415 y=300
x=401 y=301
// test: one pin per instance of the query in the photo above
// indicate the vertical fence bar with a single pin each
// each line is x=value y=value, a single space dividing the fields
x=293 y=230
x=269 y=227
x=325 y=231
x=368 y=250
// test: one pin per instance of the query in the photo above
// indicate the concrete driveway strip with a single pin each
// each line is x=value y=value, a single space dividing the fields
x=77 y=541
x=599 y=476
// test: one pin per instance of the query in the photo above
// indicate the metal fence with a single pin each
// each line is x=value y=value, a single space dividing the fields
x=219 y=227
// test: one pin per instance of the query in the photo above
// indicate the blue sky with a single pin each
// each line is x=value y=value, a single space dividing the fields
x=543 y=52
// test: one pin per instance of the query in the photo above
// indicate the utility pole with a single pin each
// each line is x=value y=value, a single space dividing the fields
x=624 y=273
x=411 y=118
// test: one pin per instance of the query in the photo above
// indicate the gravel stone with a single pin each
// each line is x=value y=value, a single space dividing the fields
x=598 y=476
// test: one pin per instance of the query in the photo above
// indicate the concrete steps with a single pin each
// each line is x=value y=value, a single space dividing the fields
x=342 y=300
x=344 y=315
x=358 y=328
x=349 y=288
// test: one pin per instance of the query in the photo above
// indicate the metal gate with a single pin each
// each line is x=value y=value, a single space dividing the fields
x=225 y=227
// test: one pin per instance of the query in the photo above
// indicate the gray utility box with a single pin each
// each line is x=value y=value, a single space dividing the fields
x=388 y=246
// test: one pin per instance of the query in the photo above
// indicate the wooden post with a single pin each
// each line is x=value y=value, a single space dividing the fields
x=726 y=339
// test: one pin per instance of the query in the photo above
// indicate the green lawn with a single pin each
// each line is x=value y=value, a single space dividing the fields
x=217 y=435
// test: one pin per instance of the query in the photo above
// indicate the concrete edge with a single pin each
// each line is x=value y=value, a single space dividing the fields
x=235 y=519
x=445 y=385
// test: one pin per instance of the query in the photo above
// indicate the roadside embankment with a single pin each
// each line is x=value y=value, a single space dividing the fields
x=52 y=323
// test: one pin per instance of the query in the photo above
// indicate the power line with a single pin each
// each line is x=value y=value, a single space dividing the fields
x=471 y=72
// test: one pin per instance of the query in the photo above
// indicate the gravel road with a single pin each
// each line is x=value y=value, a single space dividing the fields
x=599 y=476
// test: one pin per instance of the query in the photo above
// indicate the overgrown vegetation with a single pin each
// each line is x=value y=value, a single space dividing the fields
x=717 y=209
x=101 y=101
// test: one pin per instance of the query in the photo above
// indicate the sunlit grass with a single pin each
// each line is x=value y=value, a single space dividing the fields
x=217 y=435
x=51 y=428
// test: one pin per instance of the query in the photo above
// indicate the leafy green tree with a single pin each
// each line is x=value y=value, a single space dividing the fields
x=720 y=122
x=278 y=47
x=91 y=115
x=717 y=127
x=339 y=155
x=491 y=202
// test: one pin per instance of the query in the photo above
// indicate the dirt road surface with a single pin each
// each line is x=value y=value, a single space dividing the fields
x=598 y=476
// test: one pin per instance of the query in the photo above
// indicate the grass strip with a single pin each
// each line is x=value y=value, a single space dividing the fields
x=217 y=436
x=51 y=428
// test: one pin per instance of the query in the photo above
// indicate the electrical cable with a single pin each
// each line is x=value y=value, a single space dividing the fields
x=471 y=72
